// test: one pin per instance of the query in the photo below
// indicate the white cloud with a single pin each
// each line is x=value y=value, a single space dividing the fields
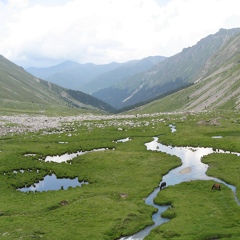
x=35 y=32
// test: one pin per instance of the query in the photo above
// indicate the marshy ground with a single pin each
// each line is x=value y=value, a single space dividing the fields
x=112 y=204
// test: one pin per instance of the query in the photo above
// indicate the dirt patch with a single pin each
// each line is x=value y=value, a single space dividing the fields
x=212 y=122
x=64 y=203
x=186 y=170
x=123 y=195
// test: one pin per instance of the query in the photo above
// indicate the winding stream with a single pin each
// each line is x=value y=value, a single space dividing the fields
x=191 y=169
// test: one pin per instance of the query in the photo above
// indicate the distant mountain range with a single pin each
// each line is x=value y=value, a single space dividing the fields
x=90 y=77
x=204 y=76
x=134 y=82
x=72 y=75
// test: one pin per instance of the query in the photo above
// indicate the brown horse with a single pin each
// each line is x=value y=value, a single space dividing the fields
x=216 y=186
x=163 y=184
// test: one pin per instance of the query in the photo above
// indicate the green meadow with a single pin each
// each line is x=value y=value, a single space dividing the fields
x=120 y=178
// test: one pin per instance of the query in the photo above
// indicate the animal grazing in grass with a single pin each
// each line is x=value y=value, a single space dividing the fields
x=162 y=185
x=216 y=186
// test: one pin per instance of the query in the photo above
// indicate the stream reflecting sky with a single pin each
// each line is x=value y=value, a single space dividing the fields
x=191 y=169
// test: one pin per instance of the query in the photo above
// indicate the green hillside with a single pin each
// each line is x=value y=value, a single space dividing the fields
x=21 y=91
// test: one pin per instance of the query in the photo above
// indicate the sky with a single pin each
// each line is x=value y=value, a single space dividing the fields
x=43 y=33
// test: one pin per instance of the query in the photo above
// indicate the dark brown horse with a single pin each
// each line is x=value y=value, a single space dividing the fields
x=162 y=185
x=216 y=186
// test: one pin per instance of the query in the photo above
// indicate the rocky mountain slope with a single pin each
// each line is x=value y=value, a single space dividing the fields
x=173 y=73
x=21 y=90
x=218 y=88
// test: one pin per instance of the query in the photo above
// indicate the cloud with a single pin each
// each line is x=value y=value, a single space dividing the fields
x=39 y=33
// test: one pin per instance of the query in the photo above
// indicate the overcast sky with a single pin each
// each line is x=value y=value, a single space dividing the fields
x=46 y=32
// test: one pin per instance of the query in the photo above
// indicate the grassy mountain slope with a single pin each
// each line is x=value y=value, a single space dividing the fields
x=175 y=72
x=20 y=90
x=219 y=88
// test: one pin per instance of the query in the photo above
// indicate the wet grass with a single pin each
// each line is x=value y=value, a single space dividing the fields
x=198 y=212
x=112 y=205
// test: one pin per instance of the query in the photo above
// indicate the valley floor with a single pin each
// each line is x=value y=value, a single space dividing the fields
x=29 y=123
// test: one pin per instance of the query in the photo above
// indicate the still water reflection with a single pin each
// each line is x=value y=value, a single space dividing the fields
x=51 y=182
x=69 y=156
x=192 y=168
x=122 y=140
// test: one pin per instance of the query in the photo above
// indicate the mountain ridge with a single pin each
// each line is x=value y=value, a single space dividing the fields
x=218 y=88
x=90 y=77
x=204 y=76
x=71 y=75
x=21 y=90
x=174 y=72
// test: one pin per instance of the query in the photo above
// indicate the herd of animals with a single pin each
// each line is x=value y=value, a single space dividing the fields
x=215 y=186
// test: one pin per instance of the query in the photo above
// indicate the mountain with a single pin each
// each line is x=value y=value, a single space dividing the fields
x=204 y=76
x=90 y=77
x=125 y=70
x=218 y=87
x=172 y=74
x=19 y=90
x=72 y=75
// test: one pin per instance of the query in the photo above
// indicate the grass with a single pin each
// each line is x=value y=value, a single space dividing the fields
x=112 y=205
x=46 y=110
x=198 y=213
x=217 y=167
x=95 y=211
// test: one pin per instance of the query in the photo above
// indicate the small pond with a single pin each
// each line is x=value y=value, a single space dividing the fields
x=69 y=156
x=173 y=128
x=51 y=182
x=122 y=140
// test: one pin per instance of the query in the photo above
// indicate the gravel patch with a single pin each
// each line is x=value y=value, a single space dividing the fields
x=26 y=123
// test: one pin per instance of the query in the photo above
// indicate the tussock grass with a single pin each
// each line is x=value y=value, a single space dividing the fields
x=112 y=205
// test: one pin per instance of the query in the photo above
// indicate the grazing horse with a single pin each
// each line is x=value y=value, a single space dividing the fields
x=216 y=186
x=163 y=184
